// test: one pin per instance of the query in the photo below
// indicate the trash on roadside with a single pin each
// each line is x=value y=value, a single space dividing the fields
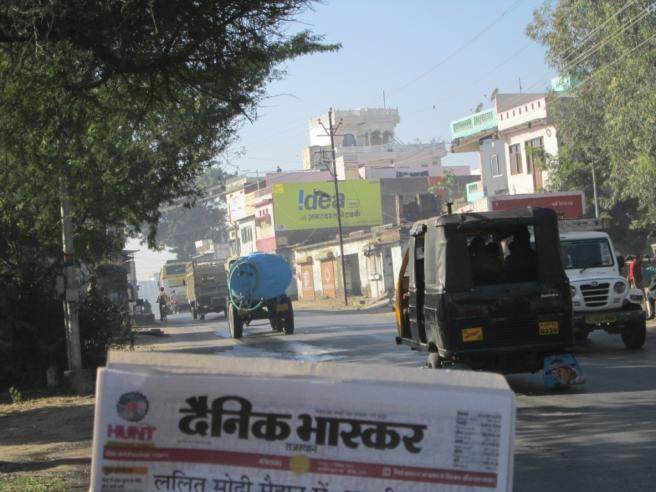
x=562 y=371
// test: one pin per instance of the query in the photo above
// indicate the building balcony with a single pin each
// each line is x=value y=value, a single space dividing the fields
x=480 y=122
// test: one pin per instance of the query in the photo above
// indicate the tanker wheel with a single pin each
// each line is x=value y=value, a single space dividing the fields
x=276 y=324
x=235 y=323
x=287 y=321
x=433 y=361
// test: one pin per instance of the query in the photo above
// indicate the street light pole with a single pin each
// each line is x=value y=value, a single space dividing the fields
x=331 y=131
x=594 y=191
x=71 y=293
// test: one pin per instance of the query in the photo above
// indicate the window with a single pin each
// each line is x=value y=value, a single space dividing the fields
x=538 y=104
x=348 y=140
x=501 y=116
x=515 y=155
x=526 y=108
x=246 y=235
x=494 y=165
x=534 y=153
x=520 y=110
x=502 y=255
x=586 y=253
x=532 y=105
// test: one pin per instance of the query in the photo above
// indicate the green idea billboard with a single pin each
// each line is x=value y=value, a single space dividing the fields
x=313 y=205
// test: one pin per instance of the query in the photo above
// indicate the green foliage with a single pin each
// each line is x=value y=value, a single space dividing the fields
x=15 y=395
x=103 y=325
x=447 y=187
x=180 y=227
x=610 y=121
x=33 y=483
x=126 y=102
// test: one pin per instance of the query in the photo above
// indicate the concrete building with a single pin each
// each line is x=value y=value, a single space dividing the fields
x=358 y=127
x=372 y=260
x=513 y=141
x=528 y=137
x=366 y=147
x=390 y=160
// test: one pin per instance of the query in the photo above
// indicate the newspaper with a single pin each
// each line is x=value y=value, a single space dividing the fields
x=248 y=425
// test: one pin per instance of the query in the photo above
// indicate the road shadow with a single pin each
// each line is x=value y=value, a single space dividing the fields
x=589 y=447
x=28 y=466
x=45 y=425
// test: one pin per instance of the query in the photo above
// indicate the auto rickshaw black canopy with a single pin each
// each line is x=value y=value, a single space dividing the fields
x=446 y=255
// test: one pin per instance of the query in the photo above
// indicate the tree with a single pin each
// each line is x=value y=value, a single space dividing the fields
x=447 y=187
x=181 y=226
x=608 y=51
x=125 y=103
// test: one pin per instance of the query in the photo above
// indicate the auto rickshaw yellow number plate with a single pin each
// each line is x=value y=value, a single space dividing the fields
x=281 y=308
x=472 y=334
x=549 y=328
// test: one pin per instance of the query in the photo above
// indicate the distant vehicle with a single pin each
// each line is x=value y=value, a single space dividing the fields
x=172 y=278
x=601 y=297
x=474 y=292
x=256 y=290
x=207 y=287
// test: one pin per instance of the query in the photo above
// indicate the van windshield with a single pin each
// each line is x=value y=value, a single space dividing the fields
x=586 y=253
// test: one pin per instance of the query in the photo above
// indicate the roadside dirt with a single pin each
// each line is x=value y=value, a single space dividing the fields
x=45 y=444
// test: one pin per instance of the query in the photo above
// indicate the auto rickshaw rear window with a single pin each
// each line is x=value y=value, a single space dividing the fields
x=502 y=255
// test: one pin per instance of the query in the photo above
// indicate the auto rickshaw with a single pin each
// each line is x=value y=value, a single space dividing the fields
x=486 y=291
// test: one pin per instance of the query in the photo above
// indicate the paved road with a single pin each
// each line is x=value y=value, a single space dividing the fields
x=599 y=437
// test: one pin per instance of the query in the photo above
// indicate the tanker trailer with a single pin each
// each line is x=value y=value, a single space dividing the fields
x=256 y=290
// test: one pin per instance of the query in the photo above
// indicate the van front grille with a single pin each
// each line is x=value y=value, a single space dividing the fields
x=595 y=295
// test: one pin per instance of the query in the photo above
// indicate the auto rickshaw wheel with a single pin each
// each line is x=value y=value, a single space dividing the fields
x=433 y=361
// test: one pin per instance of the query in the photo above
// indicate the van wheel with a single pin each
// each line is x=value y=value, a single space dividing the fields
x=634 y=335
x=433 y=361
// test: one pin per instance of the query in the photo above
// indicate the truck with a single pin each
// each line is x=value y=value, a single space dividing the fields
x=207 y=287
x=601 y=298
x=172 y=279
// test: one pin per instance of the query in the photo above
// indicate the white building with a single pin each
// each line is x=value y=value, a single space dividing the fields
x=528 y=136
x=366 y=147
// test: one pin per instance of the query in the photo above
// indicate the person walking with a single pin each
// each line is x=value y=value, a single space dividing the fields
x=163 y=302
x=635 y=272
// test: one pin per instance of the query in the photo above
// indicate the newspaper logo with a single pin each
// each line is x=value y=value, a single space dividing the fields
x=132 y=406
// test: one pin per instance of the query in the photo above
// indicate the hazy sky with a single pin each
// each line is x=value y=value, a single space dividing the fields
x=435 y=60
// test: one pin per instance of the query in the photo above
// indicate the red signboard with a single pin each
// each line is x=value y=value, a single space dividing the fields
x=566 y=205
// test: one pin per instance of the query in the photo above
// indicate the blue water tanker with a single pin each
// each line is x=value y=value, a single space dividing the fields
x=256 y=284
x=259 y=276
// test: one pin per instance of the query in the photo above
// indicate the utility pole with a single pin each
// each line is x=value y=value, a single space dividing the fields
x=71 y=293
x=330 y=131
x=594 y=191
